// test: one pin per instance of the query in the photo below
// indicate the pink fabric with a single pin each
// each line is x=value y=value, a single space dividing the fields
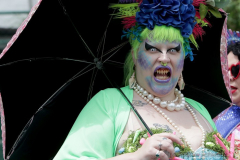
x=3 y=128
x=21 y=28
x=223 y=54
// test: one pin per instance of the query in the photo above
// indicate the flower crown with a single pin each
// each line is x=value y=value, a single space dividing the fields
x=186 y=15
x=233 y=37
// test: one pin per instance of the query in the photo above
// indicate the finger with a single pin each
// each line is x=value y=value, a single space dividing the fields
x=168 y=148
x=161 y=155
x=171 y=136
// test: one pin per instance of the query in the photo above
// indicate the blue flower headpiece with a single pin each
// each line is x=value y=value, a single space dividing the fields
x=187 y=15
x=233 y=37
x=176 y=13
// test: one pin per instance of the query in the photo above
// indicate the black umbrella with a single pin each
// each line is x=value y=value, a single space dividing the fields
x=59 y=61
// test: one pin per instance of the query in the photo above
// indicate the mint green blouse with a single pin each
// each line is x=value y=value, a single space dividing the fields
x=99 y=127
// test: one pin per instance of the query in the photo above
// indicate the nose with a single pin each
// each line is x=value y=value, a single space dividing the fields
x=230 y=76
x=164 y=58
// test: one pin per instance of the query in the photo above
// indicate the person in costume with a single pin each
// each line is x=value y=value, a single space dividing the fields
x=159 y=33
x=228 y=121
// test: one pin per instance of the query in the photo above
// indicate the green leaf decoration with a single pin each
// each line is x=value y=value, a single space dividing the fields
x=203 y=10
x=215 y=12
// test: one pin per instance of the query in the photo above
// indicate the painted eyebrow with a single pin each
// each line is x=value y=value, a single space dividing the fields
x=176 y=48
x=148 y=46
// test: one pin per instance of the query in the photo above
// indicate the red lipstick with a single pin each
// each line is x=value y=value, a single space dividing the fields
x=233 y=89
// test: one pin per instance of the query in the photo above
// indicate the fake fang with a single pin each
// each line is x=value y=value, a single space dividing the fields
x=162 y=74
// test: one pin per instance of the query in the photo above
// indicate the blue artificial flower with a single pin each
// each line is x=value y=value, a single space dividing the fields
x=176 y=13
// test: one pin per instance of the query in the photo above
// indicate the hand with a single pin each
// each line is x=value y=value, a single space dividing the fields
x=158 y=144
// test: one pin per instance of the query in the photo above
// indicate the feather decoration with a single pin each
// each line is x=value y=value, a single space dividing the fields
x=204 y=22
x=129 y=1
x=198 y=31
x=233 y=37
x=125 y=10
x=129 y=22
x=191 y=37
x=196 y=3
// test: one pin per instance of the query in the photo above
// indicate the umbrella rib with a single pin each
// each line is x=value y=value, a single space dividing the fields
x=85 y=44
x=104 y=37
x=71 y=79
x=31 y=119
x=105 y=33
x=91 y=86
x=113 y=54
x=132 y=107
x=116 y=62
x=209 y=93
x=120 y=45
x=44 y=58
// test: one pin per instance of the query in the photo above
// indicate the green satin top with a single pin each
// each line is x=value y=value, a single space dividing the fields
x=99 y=127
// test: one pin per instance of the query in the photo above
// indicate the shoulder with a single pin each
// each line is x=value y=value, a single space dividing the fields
x=109 y=100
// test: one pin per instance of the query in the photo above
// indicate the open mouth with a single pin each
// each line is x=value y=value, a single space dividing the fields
x=162 y=74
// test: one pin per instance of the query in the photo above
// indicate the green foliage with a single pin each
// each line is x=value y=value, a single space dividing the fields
x=233 y=10
x=215 y=147
x=132 y=147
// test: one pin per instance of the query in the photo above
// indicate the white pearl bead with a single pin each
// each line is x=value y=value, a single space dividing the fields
x=150 y=97
x=145 y=98
x=176 y=89
x=181 y=95
x=156 y=100
x=145 y=93
x=158 y=109
x=163 y=104
x=183 y=99
x=178 y=107
x=141 y=90
x=171 y=106
x=155 y=107
x=182 y=106
x=138 y=87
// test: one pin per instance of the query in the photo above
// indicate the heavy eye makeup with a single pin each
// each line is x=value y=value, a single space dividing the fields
x=151 y=48
x=175 y=49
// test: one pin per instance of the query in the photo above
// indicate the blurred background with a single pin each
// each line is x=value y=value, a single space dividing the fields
x=14 y=12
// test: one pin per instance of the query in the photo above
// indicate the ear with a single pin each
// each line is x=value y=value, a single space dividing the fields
x=133 y=57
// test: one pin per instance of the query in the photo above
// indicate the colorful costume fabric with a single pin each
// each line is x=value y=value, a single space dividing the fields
x=99 y=127
x=228 y=120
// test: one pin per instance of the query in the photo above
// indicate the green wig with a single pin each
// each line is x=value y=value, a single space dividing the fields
x=160 y=34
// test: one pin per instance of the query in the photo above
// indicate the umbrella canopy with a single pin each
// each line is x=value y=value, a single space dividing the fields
x=59 y=59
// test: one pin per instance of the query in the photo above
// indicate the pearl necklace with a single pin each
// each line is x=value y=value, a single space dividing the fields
x=170 y=105
x=144 y=94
